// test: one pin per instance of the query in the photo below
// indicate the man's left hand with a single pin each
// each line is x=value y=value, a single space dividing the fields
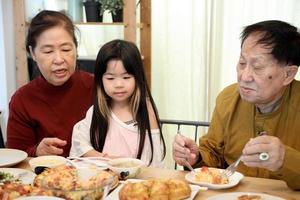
x=268 y=144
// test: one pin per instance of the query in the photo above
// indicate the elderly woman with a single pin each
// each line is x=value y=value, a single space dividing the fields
x=43 y=112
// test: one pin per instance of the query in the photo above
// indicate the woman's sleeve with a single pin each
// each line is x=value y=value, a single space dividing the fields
x=81 y=142
x=20 y=128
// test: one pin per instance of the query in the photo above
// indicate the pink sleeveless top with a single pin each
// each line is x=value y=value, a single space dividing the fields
x=122 y=140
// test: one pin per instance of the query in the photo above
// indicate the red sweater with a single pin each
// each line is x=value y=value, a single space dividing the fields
x=39 y=109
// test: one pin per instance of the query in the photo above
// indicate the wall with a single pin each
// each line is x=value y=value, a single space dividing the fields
x=7 y=60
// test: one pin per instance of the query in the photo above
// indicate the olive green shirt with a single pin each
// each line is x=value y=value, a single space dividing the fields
x=235 y=121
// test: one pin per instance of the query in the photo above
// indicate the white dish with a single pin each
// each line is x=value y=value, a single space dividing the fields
x=47 y=161
x=235 y=195
x=39 y=198
x=10 y=157
x=115 y=194
x=125 y=167
x=233 y=180
x=25 y=176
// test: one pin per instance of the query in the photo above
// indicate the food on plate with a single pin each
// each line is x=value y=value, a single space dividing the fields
x=64 y=181
x=7 y=177
x=210 y=175
x=250 y=197
x=9 y=191
x=163 y=189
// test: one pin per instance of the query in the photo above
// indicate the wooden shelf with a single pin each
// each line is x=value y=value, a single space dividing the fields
x=100 y=23
x=130 y=26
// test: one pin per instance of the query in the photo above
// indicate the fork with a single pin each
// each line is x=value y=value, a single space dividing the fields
x=188 y=165
x=89 y=160
x=231 y=168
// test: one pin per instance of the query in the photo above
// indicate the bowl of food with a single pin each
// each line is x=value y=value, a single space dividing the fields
x=47 y=162
x=125 y=167
x=67 y=183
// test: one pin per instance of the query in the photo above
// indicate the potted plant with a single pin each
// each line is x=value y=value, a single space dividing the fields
x=92 y=10
x=115 y=7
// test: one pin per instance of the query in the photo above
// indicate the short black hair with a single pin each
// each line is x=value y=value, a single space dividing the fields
x=281 y=37
x=45 y=20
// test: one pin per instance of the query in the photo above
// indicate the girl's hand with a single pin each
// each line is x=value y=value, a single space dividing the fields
x=185 y=149
x=268 y=144
x=50 y=146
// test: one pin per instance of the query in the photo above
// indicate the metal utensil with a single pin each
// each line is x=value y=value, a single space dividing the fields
x=188 y=165
x=90 y=161
x=231 y=168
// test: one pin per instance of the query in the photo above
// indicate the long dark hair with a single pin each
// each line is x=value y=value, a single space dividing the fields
x=130 y=56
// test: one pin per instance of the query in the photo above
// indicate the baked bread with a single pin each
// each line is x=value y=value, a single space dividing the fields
x=163 y=189
x=178 y=189
x=134 y=191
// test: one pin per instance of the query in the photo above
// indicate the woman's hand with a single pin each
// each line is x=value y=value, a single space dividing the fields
x=50 y=146
x=185 y=149
x=268 y=144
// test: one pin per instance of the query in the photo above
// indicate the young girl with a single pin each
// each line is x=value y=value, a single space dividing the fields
x=123 y=121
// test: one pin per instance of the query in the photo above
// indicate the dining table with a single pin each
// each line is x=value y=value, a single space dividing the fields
x=248 y=184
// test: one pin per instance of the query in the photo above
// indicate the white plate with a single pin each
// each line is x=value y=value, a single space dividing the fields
x=9 y=157
x=39 y=198
x=233 y=180
x=25 y=176
x=235 y=195
x=115 y=194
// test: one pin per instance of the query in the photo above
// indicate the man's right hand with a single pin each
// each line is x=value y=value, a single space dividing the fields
x=50 y=146
x=185 y=149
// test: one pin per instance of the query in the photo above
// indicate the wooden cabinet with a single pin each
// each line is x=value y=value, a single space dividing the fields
x=130 y=24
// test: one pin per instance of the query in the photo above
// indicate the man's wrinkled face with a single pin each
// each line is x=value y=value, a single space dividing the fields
x=261 y=78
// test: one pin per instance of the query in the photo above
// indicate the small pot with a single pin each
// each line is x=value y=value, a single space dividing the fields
x=92 y=11
x=118 y=17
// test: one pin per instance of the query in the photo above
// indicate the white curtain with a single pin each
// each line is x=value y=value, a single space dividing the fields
x=195 y=48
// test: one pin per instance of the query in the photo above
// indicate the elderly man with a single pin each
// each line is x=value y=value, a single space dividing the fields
x=265 y=99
